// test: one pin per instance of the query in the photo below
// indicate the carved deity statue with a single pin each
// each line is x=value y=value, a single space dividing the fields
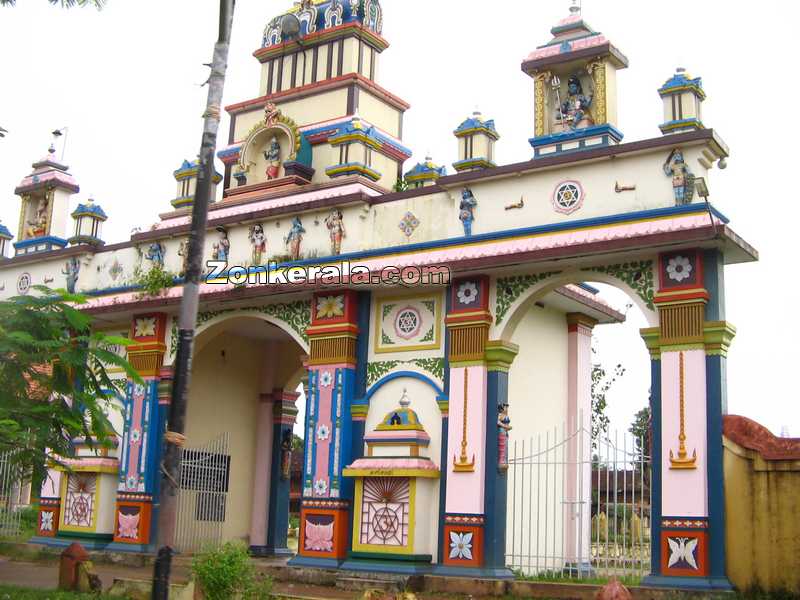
x=503 y=427
x=271 y=113
x=71 y=269
x=221 y=248
x=273 y=158
x=155 y=254
x=295 y=238
x=258 y=241
x=466 y=210
x=335 y=224
x=37 y=227
x=576 y=107
x=682 y=177
x=183 y=252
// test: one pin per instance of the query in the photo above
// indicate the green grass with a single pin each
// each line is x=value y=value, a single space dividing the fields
x=558 y=577
x=10 y=592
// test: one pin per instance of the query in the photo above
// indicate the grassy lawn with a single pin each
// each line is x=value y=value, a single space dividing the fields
x=10 y=592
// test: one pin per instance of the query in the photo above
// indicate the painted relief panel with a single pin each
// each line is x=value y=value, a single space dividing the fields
x=79 y=504
x=386 y=512
x=408 y=324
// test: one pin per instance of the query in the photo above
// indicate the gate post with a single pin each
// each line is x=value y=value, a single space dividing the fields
x=691 y=342
x=140 y=451
x=327 y=496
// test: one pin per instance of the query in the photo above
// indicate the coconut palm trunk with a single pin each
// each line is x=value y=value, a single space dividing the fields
x=188 y=312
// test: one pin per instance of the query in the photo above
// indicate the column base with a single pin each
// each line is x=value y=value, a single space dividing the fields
x=313 y=562
x=264 y=551
x=580 y=570
x=478 y=572
x=688 y=583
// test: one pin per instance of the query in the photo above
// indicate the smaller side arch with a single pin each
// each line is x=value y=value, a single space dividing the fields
x=401 y=374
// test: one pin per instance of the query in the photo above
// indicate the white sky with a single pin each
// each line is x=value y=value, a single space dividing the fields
x=125 y=81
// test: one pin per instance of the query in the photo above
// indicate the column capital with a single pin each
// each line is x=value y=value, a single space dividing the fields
x=717 y=336
x=651 y=335
x=578 y=321
x=500 y=354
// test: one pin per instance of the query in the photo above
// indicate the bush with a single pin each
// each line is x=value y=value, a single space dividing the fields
x=226 y=572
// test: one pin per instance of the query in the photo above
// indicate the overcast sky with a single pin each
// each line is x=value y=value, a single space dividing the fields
x=126 y=83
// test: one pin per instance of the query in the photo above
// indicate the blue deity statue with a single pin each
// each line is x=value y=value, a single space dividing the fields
x=682 y=177
x=466 y=210
x=155 y=253
x=71 y=270
x=295 y=237
x=576 y=107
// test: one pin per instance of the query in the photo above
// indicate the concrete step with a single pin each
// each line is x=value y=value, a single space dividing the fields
x=362 y=584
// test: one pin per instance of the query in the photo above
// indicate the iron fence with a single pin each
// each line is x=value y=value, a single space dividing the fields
x=12 y=498
x=578 y=507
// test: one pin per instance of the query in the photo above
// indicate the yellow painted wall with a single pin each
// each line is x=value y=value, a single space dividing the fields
x=762 y=519
x=223 y=397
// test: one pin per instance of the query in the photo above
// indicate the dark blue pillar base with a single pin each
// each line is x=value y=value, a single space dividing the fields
x=263 y=551
x=688 y=583
x=479 y=572
x=316 y=563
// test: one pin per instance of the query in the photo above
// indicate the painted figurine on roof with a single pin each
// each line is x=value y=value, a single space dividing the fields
x=71 y=270
x=222 y=247
x=682 y=177
x=259 y=242
x=295 y=238
x=155 y=254
x=466 y=210
x=575 y=109
x=335 y=224
x=273 y=157
x=183 y=252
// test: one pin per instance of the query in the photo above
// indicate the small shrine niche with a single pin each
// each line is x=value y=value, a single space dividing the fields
x=274 y=153
x=575 y=88
x=186 y=178
x=354 y=148
x=476 y=138
x=683 y=99
x=45 y=195
x=396 y=485
x=424 y=174
x=5 y=238
x=89 y=218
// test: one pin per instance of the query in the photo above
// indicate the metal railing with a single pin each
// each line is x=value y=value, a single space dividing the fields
x=12 y=498
x=203 y=495
x=578 y=507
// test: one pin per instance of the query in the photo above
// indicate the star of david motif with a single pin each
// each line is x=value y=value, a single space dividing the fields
x=385 y=523
x=407 y=323
x=568 y=197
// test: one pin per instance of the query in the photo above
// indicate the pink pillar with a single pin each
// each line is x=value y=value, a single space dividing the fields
x=263 y=460
x=578 y=492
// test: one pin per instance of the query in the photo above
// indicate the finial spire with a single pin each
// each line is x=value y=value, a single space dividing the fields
x=575 y=9
x=404 y=401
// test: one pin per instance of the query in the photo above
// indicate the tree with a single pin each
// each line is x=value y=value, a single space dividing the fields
x=601 y=384
x=55 y=386
x=640 y=428
x=98 y=4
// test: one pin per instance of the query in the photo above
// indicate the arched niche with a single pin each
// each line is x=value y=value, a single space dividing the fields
x=258 y=140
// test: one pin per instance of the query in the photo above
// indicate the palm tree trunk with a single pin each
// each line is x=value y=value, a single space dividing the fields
x=189 y=303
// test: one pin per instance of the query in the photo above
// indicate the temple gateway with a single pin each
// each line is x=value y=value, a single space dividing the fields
x=413 y=394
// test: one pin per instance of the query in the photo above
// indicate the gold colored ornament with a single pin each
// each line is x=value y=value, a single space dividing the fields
x=597 y=70
x=462 y=464
x=683 y=461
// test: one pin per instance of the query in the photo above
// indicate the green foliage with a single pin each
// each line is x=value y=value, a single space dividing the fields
x=12 y=592
x=601 y=383
x=225 y=571
x=297 y=443
x=55 y=387
x=98 y=4
x=154 y=281
x=401 y=185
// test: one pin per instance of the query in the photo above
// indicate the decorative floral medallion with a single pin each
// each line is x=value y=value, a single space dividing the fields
x=467 y=292
x=144 y=327
x=568 y=197
x=46 y=521
x=128 y=526
x=115 y=270
x=136 y=435
x=330 y=306
x=325 y=378
x=407 y=323
x=679 y=268
x=408 y=224
x=131 y=482
x=24 y=283
x=461 y=545
x=320 y=487
x=323 y=432
x=318 y=536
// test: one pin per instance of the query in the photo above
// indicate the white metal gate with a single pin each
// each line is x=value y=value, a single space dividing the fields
x=203 y=495
x=11 y=498
x=578 y=507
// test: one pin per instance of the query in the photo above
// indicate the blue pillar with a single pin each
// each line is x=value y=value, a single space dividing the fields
x=284 y=413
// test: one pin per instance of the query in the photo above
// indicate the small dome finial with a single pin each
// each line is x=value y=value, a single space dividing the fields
x=404 y=401
x=575 y=9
